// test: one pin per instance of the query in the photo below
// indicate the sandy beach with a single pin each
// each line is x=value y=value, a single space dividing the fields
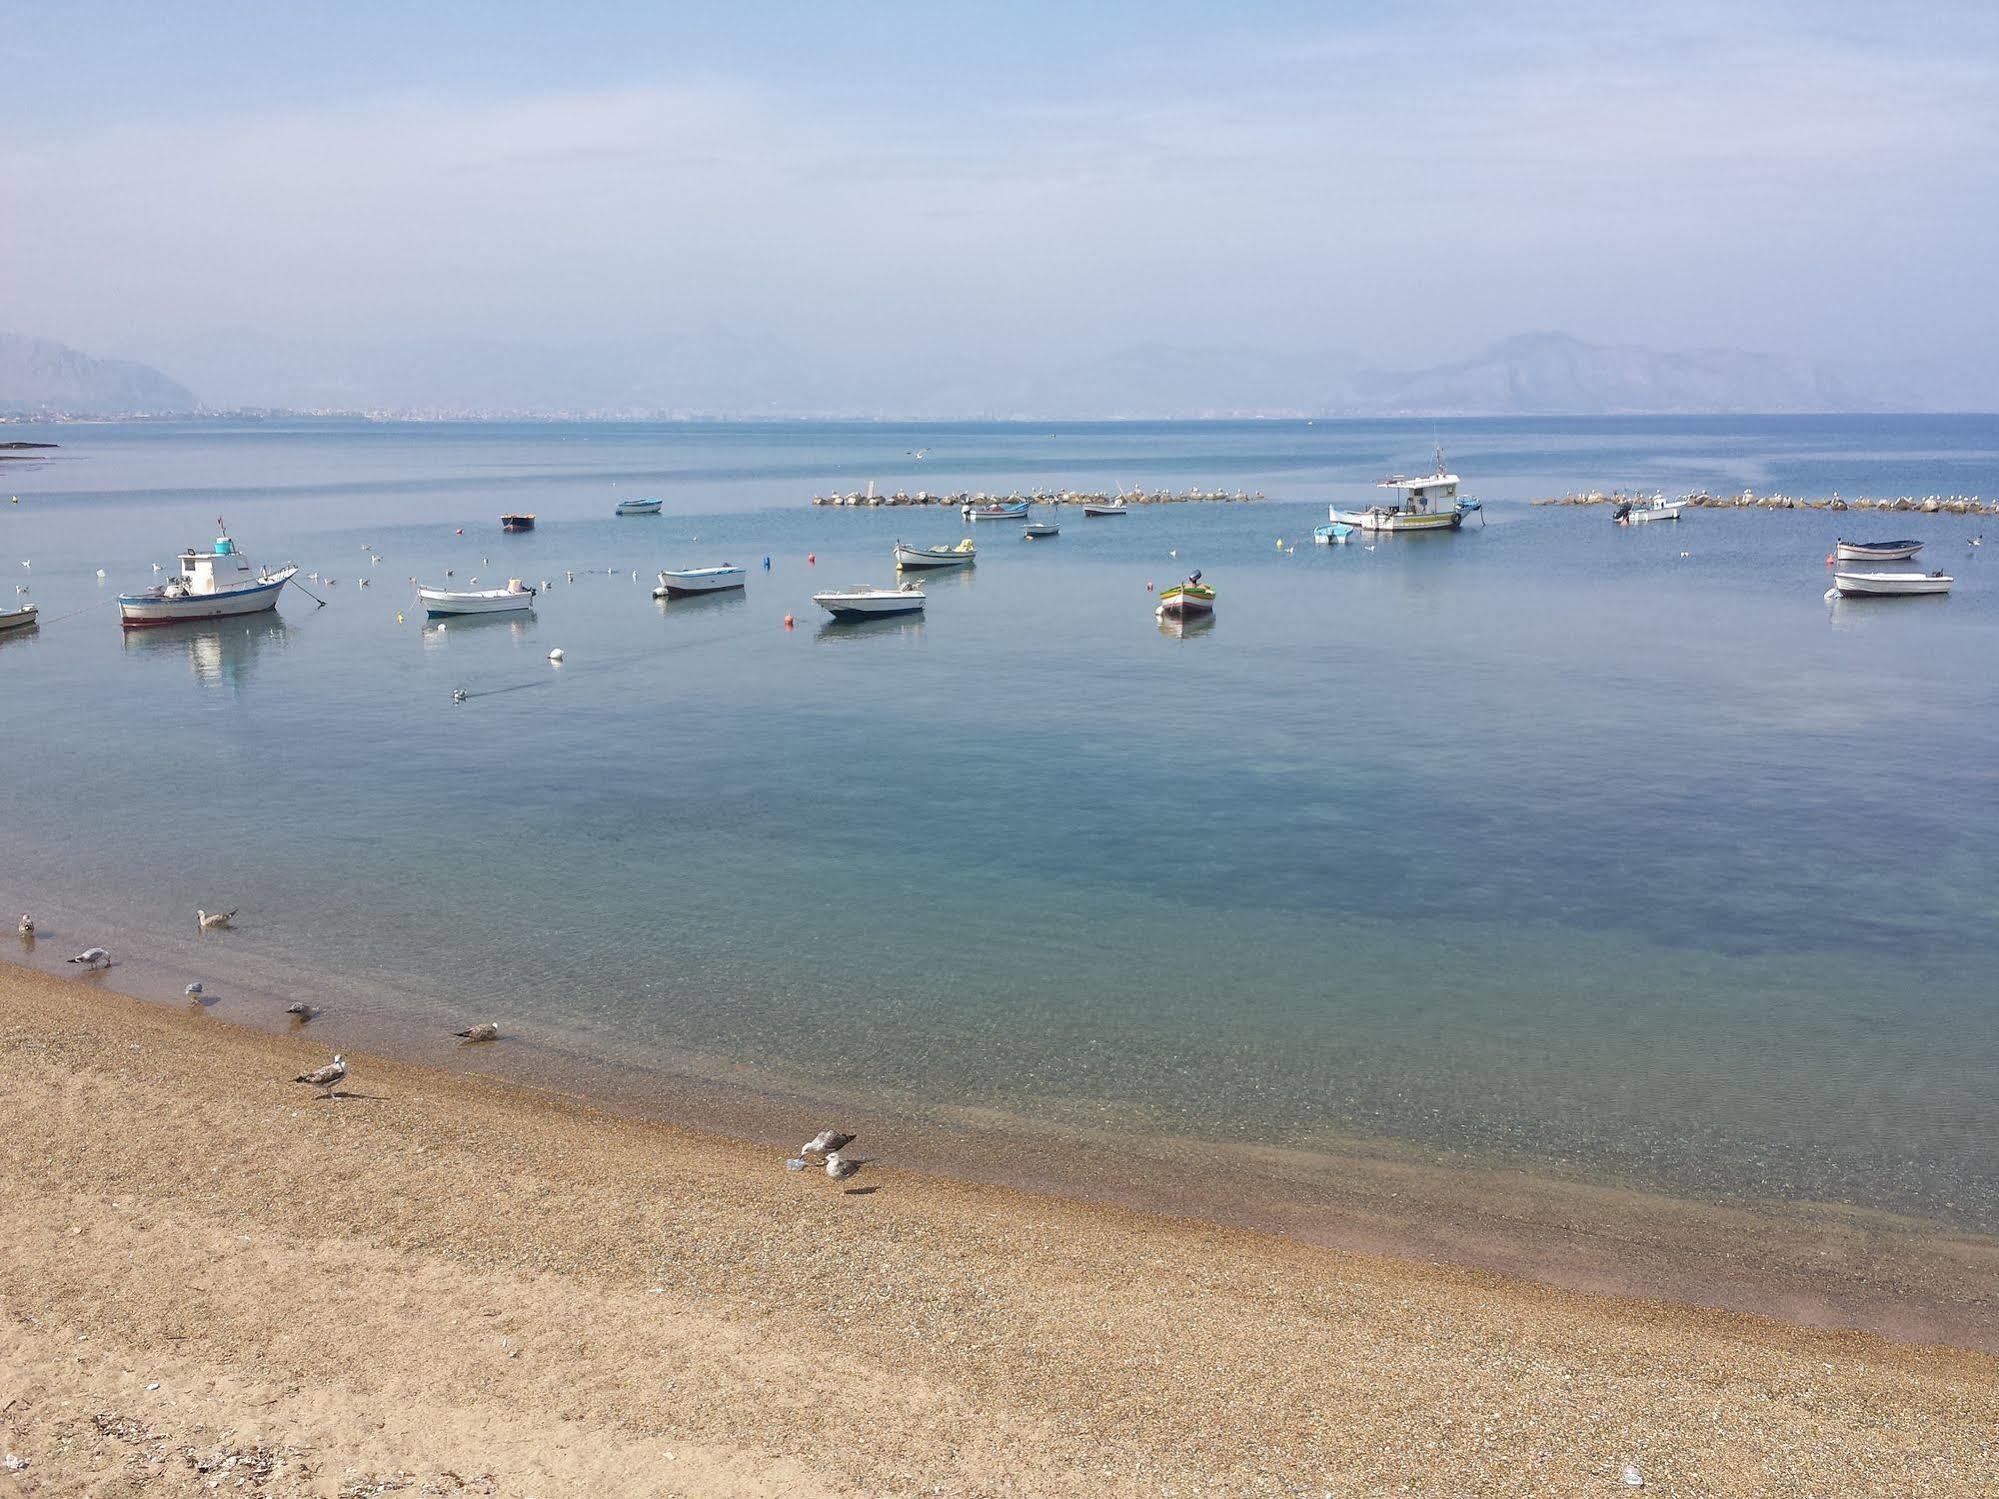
x=438 y=1284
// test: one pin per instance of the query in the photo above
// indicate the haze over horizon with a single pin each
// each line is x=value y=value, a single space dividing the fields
x=958 y=196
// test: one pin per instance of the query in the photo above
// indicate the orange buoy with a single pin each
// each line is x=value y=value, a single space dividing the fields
x=1148 y=585
x=1831 y=558
x=812 y=557
x=461 y=531
x=788 y=621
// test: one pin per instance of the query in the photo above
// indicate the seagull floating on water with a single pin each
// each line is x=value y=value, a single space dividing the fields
x=483 y=1032
x=825 y=1142
x=27 y=926
x=213 y=921
x=325 y=1078
x=193 y=990
x=299 y=1008
x=93 y=957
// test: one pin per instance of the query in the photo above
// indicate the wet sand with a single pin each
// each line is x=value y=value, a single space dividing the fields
x=470 y=1285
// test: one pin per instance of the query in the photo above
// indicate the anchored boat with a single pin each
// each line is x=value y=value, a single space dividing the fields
x=1118 y=508
x=1431 y=503
x=1035 y=530
x=999 y=511
x=22 y=618
x=1184 y=600
x=1880 y=585
x=1875 y=551
x=1637 y=512
x=678 y=582
x=910 y=558
x=870 y=603
x=639 y=507
x=517 y=523
x=209 y=585
x=445 y=601
x=1338 y=534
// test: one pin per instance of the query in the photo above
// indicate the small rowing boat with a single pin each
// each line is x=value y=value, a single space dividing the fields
x=447 y=601
x=1036 y=530
x=1100 y=511
x=1338 y=534
x=1888 y=585
x=1183 y=600
x=23 y=618
x=639 y=507
x=870 y=602
x=910 y=558
x=1875 y=551
x=517 y=523
x=678 y=582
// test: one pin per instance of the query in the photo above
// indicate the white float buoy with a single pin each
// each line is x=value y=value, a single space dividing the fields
x=556 y=655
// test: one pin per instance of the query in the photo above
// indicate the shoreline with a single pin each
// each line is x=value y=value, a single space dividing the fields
x=1821 y=1266
x=453 y=1280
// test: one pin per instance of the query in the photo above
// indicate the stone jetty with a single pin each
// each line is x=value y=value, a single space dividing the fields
x=1748 y=499
x=870 y=499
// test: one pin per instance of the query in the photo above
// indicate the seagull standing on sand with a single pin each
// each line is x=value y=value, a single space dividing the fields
x=486 y=1032
x=93 y=958
x=325 y=1078
x=213 y=921
x=826 y=1142
x=839 y=1167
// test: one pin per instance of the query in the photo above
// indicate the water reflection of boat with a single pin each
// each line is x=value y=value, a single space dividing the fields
x=713 y=600
x=840 y=631
x=1182 y=626
x=437 y=632
x=217 y=651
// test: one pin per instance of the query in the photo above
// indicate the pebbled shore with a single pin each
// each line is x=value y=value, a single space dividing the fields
x=448 y=1284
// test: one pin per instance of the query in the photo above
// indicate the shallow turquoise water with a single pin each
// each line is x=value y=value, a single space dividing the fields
x=1544 y=841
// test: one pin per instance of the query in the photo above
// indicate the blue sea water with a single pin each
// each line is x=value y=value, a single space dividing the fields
x=1619 y=852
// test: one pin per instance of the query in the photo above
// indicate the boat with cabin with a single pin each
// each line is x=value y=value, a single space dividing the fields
x=1637 y=512
x=1431 y=503
x=867 y=602
x=638 y=507
x=1847 y=585
x=517 y=523
x=1874 y=551
x=1184 y=600
x=451 y=601
x=679 y=582
x=209 y=585
x=909 y=558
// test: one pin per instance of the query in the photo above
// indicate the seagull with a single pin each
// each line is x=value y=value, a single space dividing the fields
x=484 y=1032
x=299 y=1008
x=93 y=958
x=839 y=1167
x=212 y=921
x=27 y=926
x=193 y=990
x=826 y=1142
x=327 y=1078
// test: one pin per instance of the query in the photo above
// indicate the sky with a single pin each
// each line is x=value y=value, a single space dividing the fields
x=948 y=185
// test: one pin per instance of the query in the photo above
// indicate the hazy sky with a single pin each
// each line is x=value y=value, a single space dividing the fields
x=1407 y=182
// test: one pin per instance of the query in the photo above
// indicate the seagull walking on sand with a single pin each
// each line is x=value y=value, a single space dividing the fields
x=485 y=1032
x=326 y=1078
x=93 y=958
x=826 y=1142
x=213 y=921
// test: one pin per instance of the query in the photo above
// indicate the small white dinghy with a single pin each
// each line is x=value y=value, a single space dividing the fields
x=678 y=582
x=870 y=603
x=1875 y=551
x=1037 y=529
x=1887 y=585
x=516 y=595
x=909 y=558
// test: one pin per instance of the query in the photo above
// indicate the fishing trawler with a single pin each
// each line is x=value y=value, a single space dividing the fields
x=1431 y=503
x=209 y=585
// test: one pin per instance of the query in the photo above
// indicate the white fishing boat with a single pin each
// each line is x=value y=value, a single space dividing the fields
x=1637 y=512
x=1431 y=503
x=869 y=602
x=678 y=582
x=911 y=558
x=19 y=619
x=1110 y=508
x=445 y=601
x=639 y=507
x=1887 y=585
x=209 y=585
x=1875 y=551
x=1036 y=530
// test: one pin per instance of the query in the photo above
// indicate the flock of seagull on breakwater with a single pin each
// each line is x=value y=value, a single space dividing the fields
x=1748 y=499
x=870 y=499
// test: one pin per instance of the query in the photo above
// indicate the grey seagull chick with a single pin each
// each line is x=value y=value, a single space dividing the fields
x=326 y=1078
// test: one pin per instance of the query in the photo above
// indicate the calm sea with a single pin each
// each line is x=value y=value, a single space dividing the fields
x=1619 y=852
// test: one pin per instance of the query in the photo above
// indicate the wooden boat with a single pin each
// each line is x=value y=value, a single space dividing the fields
x=869 y=602
x=1887 y=585
x=1036 y=530
x=210 y=585
x=1634 y=512
x=1338 y=534
x=517 y=523
x=1183 y=600
x=448 y=601
x=1120 y=508
x=1421 y=505
x=678 y=582
x=23 y=618
x=1875 y=551
x=996 y=512
x=635 y=507
x=910 y=558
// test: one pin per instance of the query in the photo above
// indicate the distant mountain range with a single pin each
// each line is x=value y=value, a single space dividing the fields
x=720 y=374
x=40 y=377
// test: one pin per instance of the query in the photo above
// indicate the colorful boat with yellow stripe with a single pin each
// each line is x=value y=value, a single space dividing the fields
x=1185 y=600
